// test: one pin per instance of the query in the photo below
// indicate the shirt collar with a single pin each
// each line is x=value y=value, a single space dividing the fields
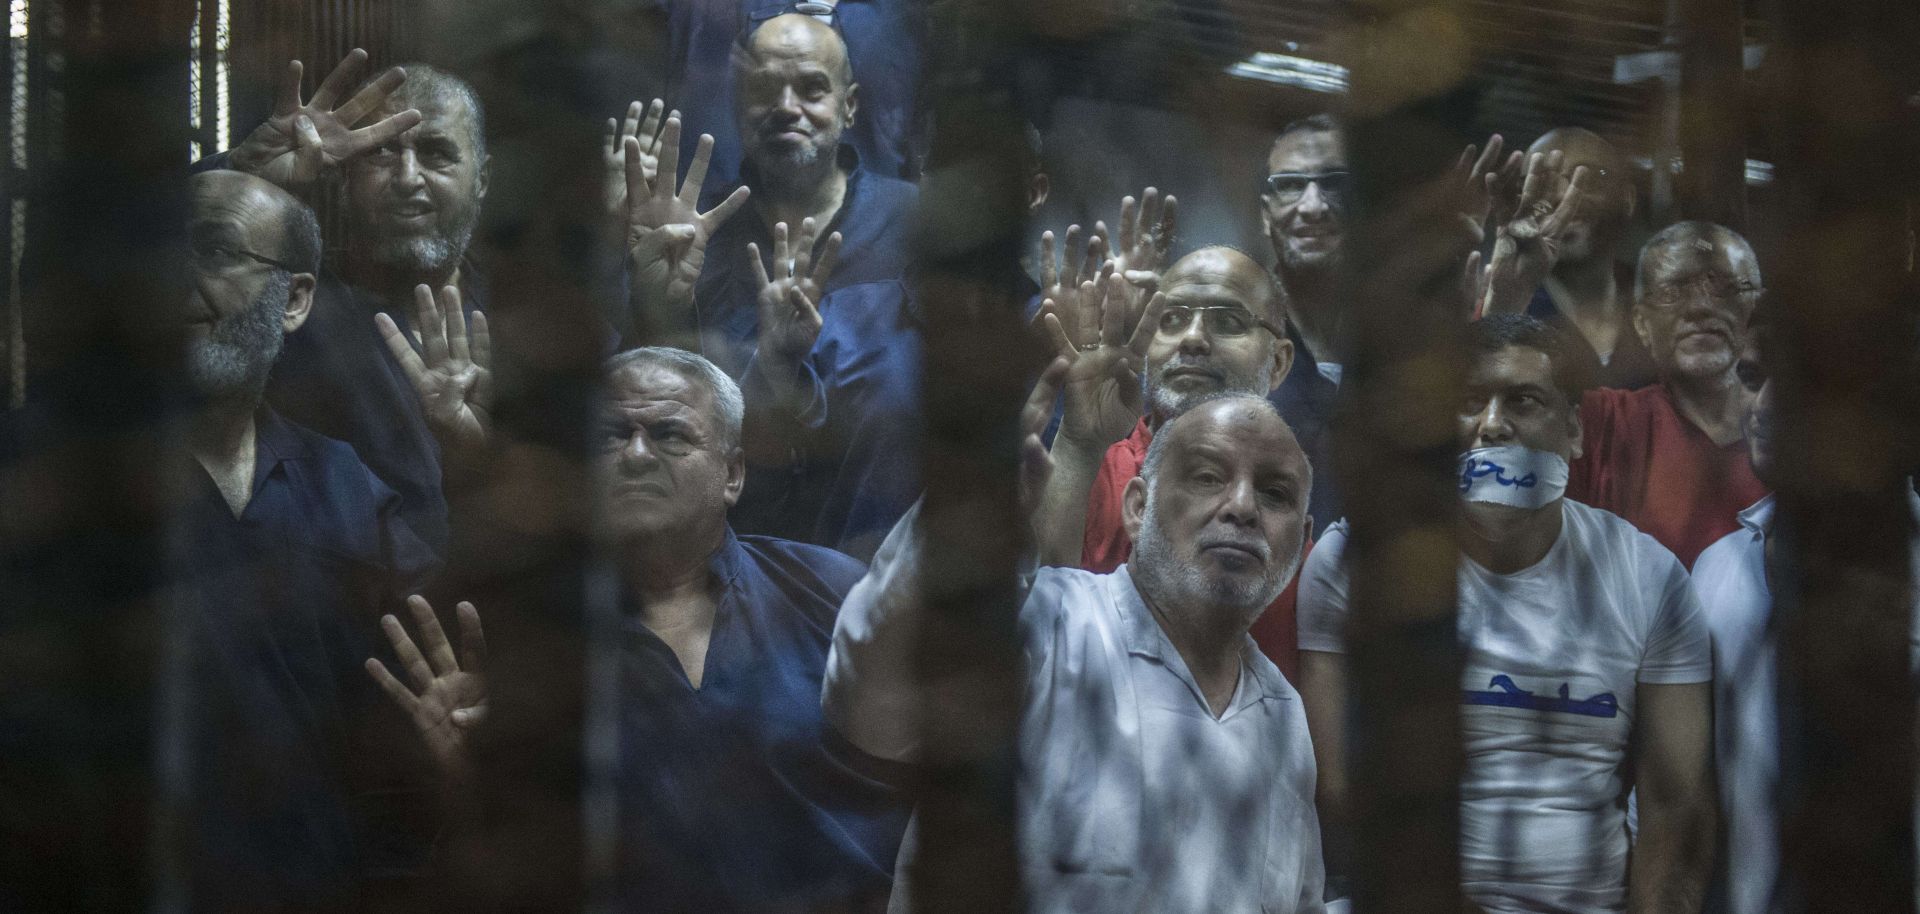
x=1758 y=517
x=1144 y=638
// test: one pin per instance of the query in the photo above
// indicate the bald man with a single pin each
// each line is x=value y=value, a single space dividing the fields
x=835 y=222
x=1215 y=330
x=1165 y=764
x=289 y=547
x=1589 y=287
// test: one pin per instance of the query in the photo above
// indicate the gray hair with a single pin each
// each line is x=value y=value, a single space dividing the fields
x=727 y=400
x=1696 y=235
x=302 y=239
x=426 y=81
x=1157 y=451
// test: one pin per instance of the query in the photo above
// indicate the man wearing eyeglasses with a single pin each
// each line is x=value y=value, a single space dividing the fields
x=1210 y=331
x=1302 y=209
x=288 y=547
x=1670 y=457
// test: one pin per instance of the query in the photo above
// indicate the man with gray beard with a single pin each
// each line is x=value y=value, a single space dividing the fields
x=412 y=182
x=301 y=786
x=1164 y=763
x=1212 y=330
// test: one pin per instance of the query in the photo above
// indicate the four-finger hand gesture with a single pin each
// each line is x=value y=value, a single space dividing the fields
x=1484 y=178
x=666 y=234
x=1061 y=283
x=1528 y=246
x=453 y=371
x=449 y=693
x=1146 y=232
x=789 y=318
x=1102 y=383
x=643 y=123
x=302 y=142
x=1036 y=464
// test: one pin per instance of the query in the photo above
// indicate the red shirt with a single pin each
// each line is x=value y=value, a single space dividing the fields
x=1647 y=463
x=1107 y=546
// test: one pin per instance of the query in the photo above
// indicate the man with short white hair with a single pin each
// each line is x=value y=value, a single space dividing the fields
x=1164 y=761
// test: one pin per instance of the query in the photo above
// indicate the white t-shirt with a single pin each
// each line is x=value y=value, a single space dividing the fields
x=1553 y=655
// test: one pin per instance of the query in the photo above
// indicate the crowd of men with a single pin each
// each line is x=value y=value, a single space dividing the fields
x=1182 y=744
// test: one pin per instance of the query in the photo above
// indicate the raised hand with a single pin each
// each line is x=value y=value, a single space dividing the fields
x=1061 y=282
x=1145 y=239
x=666 y=234
x=449 y=694
x=1102 y=383
x=1528 y=246
x=1036 y=465
x=300 y=143
x=1483 y=177
x=789 y=320
x=453 y=372
x=643 y=123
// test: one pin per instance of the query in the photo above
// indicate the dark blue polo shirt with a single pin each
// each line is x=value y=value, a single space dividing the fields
x=735 y=795
x=336 y=377
x=1306 y=399
x=885 y=44
x=874 y=222
x=305 y=780
x=1631 y=366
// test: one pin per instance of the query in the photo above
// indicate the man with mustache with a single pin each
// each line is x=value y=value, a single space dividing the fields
x=1212 y=330
x=1734 y=579
x=288 y=549
x=1669 y=457
x=412 y=181
x=1303 y=202
x=1164 y=763
x=1586 y=660
x=794 y=100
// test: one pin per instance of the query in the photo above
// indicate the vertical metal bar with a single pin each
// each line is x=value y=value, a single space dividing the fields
x=82 y=543
x=1395 y=446
x=968 y=241
x=1712 y=109
x=1846 y=433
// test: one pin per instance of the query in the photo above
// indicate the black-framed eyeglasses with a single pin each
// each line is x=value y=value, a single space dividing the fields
x=1287 y=187
x=225 y=259
x=1225 y=321
x=1716 y=286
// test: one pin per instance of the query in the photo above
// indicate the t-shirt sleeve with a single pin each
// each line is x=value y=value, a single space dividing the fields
x=1679 y=650
x=1323 y=594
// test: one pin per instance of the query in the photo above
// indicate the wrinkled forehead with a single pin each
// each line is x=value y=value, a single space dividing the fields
x=652 y=392
x=1206 y=278
x=234 y=203
x=1687 y=259
x=442 y=115
x=1307 y=151
x=795 y=43
x=1239 y=434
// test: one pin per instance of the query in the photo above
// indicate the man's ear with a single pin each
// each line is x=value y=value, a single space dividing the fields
x=1133 y=507
x=1282 y=363
x=1038 y=187
x=1642 y=329
x=1577 y=430
x=299 y=302
x=852 y=104
x=484 y=179
x=736 y=475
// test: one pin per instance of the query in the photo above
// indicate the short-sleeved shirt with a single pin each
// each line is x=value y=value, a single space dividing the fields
x=1641 y=459
x=337 y=377
x=875 y=225
x=1731 y=581
x=304 y=785
x=1554 y=657
x=736 y=795
x=1133 y=796
x=1107 y=546
x=884 y=41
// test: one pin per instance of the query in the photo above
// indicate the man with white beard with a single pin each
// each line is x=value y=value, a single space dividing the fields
x=1586 y=664
x=413 y=180
x=1164 y=761
x=286 y=549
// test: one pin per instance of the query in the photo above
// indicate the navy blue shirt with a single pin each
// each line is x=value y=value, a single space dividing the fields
x=306 y=785
x=335 y=376
x=737 y=796
x=853 y=449
x=885 y=40
x=874 y=222
x=1631 y=366
x=1306 y=399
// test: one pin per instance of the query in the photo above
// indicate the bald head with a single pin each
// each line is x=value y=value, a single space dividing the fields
x=1219 y=514
x=794 y=97
x=271 y=221
x=255 y=252
x=1694 y=290
x=1609 y=175
x=1225 y=272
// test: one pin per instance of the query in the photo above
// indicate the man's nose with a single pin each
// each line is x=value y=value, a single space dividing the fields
x=637 y=454
x=1240 y=504
x=787 y=103
x=406 y=174
x=1492 y=427
x=1313 y=204
x=1194 y=339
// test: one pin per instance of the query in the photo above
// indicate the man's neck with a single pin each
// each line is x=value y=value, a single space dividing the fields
x=792 y=201
x=1714 y=405
x=1505 y=540
x=1313 y=307
x=1214 y=660
x=668 y=572
x=1587 y=292
x=221 y=436
x=395 y=285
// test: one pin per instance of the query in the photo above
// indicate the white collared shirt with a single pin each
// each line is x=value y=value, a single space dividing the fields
x=1731 y=581
x=1133 y=797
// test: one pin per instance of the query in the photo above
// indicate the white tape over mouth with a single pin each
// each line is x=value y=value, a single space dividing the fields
x=1517 y=476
